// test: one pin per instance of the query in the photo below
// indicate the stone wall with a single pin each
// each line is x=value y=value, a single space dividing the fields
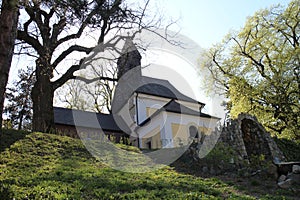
x=241 y=144
x=249 y=138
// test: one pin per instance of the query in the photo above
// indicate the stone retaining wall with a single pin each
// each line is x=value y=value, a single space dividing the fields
x=249 y=138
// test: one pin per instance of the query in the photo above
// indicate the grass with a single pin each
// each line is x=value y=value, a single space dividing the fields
x=47 y=166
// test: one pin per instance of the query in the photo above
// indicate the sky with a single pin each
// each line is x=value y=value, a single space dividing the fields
x=208 y=21
x=205 y=22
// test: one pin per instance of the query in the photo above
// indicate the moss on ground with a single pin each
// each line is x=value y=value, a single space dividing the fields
x=47 y=166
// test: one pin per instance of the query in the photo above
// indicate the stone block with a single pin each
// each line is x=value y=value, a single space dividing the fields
x=285 y=184
x=281 y=178
x=205 y=169
x=295 y=178
x=296 y=169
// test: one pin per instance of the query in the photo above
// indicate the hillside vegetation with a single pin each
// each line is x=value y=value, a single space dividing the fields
x=47 y=166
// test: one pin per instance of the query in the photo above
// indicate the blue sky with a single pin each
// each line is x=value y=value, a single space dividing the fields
x=208 y=21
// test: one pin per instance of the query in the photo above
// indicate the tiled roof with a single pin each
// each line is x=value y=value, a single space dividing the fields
x=148 y=86
x=87 y=119
x=176 y=107
x=162 y=88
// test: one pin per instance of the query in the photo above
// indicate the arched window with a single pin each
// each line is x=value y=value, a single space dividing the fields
x=193 y=132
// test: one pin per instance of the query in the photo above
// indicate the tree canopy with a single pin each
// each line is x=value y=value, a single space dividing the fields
x=258 y=68
x=19 y=106
x=53 y=30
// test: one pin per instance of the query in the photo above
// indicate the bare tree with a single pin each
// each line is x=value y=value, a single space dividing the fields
x=54 y=29
x=96 y=96
x=72 y=95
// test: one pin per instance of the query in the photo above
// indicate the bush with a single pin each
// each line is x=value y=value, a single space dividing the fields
x=289 y=148
x=222 y=157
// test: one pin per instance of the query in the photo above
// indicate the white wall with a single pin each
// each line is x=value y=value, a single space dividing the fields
x=147 y=101
x=165 y=119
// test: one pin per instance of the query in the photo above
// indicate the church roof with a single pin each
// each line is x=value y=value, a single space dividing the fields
x=176 y=107
x=163 y=88
x=128 y=46
x=149 y=86
x=65 y=116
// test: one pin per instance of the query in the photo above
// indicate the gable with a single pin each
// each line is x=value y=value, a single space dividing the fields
x=162 y=88
x=174 y=107
x=148 y=86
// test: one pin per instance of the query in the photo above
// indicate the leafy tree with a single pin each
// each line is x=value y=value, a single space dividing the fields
x=53 y=29
x=258 y=68
x=19 y=107
x=8 y=27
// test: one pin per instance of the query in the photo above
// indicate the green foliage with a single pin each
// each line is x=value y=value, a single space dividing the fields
x=289 y=148
x=259 y=162
x=46 y=166
x=221 y=154
x=258 y=67
x=9 y=137
x=19 y=107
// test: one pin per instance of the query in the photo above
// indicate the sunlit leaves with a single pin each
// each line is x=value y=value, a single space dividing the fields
x=258 y=68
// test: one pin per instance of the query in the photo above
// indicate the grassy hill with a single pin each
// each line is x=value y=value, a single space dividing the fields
x=46 y=166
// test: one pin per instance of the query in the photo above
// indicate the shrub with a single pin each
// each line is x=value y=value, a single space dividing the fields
x=289 y=148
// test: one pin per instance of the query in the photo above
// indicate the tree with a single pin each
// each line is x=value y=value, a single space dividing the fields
x=72 y=95
x=8 y=27
x=54 y=29
x=258 y=68
x=96 y=96
x=19 y=107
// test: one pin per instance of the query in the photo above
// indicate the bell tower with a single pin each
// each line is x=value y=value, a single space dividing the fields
x=129 y=59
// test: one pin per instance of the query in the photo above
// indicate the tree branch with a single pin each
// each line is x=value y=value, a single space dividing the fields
x=80 y=30
x=70 y=50
x=57 y=29
x=88 y=81
x=23 y=36
x=67 y=76
x=70 y=75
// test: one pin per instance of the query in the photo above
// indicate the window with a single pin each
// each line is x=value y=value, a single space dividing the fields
x=193 y=132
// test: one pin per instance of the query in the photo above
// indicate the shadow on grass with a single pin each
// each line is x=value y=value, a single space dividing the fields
x=76 y=182
x=9 y=137
x=45 y=166
x=259 y=186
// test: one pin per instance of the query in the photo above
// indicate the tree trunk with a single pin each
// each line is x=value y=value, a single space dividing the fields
x=42 y=99
x=20 y=121
x=8 y=29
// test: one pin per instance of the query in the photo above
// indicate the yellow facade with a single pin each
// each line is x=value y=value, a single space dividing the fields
x=152 y=140
x=150 y=111
x=180 y=134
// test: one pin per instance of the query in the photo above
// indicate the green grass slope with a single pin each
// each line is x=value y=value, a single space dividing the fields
x=46 y=166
